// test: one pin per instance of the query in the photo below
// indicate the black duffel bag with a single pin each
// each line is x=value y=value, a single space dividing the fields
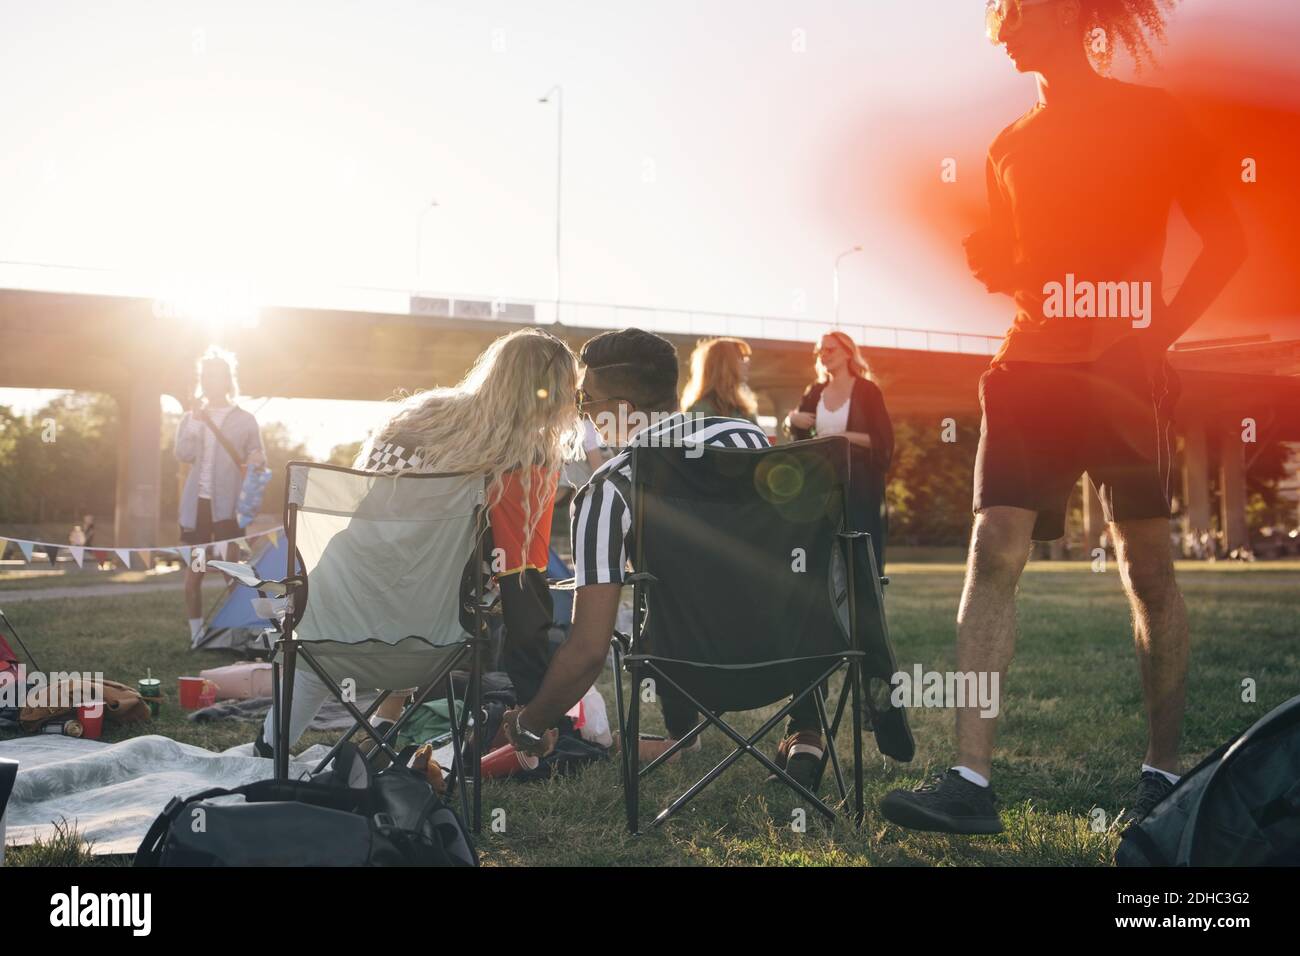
x=343 y=818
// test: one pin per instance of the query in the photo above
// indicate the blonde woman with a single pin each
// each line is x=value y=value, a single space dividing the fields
x=514 y=420
x=845 y=401
x=719 y=373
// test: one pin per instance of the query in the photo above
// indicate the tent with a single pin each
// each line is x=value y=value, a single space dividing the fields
x=562 y=601
x=231 y=623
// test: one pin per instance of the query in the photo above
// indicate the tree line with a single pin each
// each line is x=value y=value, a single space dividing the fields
x=60 y=463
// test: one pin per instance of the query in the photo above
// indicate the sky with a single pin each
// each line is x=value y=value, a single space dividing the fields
x=717 y=155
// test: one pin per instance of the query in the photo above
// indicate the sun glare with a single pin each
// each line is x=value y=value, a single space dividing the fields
x=216 y=305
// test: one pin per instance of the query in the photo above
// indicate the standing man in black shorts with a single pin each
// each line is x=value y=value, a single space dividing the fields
x=1080 y=190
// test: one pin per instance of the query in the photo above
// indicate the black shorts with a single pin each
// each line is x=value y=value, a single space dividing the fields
x=206 y=530
x=1045 y=425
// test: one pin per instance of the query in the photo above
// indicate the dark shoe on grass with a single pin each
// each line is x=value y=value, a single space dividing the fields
x=1152 y=788
x=799 y=755
x=261 y=748
x=948 y=804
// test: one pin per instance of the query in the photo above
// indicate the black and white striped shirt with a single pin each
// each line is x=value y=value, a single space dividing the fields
x=601 y=515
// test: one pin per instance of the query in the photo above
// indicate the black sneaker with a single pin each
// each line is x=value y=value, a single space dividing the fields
x=1152 y=788
x=949 y=804
x=261 y=748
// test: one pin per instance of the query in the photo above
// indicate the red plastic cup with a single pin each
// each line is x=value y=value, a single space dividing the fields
x=91 y=716
x=193 y=691
x=506 y=762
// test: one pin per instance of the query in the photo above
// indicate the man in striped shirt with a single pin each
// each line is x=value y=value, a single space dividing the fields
x=629 y=389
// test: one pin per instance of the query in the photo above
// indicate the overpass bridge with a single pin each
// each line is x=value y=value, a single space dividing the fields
x=129 y=348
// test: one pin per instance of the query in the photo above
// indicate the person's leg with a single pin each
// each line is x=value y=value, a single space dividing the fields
x=309 y=693
x=680 y=718
x=680 y=715
x=986 y=619
x=1146 y=569
x=961 y=800
x=193 y=593
x=803 y=716
x=527 y=613
x=199 y=536
x=392 y=705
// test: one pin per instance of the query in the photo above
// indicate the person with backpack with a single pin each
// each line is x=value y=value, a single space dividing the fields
x=218 y=439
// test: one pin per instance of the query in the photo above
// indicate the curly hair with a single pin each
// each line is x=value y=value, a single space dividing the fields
x=1137 y=24
x=513 y=410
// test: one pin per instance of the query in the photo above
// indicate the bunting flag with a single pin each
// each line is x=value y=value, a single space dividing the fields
x=78 y=552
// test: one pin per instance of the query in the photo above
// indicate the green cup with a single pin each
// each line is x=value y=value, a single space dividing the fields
x=151 y=691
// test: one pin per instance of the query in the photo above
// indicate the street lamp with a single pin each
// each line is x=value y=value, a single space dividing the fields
x=835 y=282
x=419 y=243
x=557 y=92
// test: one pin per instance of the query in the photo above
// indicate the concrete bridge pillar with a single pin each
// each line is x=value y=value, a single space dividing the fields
x=1094 y=522
x=1196 y=482
x=139 y=452
x=1232 y=484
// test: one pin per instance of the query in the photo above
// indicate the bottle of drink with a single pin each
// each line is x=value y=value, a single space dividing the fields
x=68 y=728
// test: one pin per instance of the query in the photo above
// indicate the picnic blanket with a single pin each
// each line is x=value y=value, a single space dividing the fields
x=113 y=792
x=332 y=716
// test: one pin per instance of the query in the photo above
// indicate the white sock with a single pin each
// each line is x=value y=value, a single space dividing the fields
x=196 y=625
x=1171 y=777
x=976 y=778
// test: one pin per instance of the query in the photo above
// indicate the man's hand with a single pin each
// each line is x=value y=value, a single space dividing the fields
x=522 y=743
x=990 y=262
x=580 y=659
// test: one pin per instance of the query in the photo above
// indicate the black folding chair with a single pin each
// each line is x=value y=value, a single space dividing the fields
x=375 y=598
x=749 y=589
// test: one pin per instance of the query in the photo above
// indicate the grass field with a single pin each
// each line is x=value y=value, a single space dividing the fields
x=1071 y=737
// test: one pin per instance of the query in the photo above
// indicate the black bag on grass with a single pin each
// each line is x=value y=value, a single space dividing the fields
x=344 y=817
x=1240 y=806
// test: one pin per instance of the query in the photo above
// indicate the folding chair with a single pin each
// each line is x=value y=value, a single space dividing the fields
x=749 y=589
x=375 y=600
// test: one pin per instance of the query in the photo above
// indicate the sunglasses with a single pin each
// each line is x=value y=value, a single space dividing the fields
x=582 y=398
x=1004 y=17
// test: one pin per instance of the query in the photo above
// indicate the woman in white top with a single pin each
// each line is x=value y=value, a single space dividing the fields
x=845 y=401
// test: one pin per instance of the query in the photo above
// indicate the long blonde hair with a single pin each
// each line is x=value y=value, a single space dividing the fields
x=513 y=410
x=716 y=369
x=858 y=366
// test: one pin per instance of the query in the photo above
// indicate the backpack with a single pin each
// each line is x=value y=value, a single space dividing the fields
x=347 y=816
x=1240 y=806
